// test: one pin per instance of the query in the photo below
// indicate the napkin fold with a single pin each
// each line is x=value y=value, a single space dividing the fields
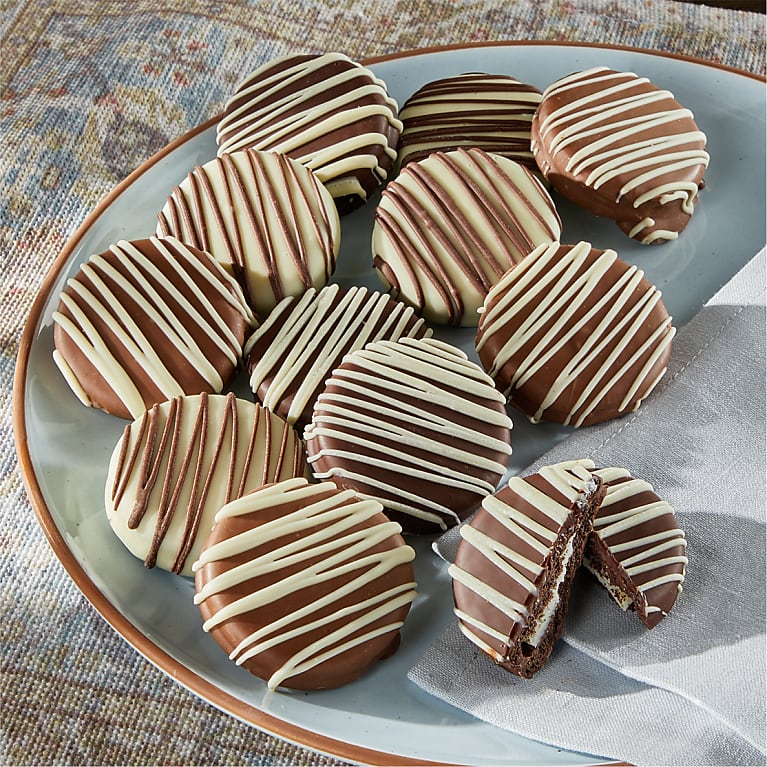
x=692 y=690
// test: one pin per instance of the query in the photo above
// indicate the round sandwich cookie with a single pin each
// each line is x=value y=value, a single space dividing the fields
x=327 y=112
x=637 y=550
x=516 y=561
x=620 y=147
x=264 y=217
x=305 y=585
x=296 y=348
x=414 y=424
x=148 y=320
x=474 y=109
x=574 y=335
x=181 y=461
x=448 y=228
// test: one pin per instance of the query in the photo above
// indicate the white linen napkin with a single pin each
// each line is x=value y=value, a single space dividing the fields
x=692 y=690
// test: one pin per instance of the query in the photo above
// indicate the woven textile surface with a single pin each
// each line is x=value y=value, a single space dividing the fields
x=88 y=91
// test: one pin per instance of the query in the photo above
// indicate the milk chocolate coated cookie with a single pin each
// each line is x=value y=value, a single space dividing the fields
x=449 y=226
x=637 y=550
x=574 y=335
x=621 y=147
x=415 y=425
x=328 y=112
x=148 y=320
x=516 y=561
x=264 y=217
x=304 y=585
x=297 y=347
x=474 y=109
x=181 y=461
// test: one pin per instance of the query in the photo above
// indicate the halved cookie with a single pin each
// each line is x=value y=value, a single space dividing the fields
x=516 y=561
x=637 y=550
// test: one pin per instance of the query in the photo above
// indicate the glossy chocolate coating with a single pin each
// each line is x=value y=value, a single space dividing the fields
x=517 y=558
x=324 y=584
x=574 y=335
x=146 y=321
x=637 y=550
x=415 y=425
x=485 y=111
x=327 y=112
x=622 y=148
x=303 y=340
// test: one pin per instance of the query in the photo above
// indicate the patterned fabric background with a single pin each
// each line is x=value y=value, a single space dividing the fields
x=88 y=91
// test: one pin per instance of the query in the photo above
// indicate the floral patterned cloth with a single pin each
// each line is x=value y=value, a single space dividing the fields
x=88 y=91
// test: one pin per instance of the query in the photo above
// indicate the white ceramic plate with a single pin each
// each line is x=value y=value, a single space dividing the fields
x=64 y=447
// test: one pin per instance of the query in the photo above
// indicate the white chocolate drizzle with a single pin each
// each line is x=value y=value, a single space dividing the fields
x=489 y=112
x=532 y=609
x=99 y=311
x=651 y=560
x=264 y=217
x=330 y=535
x=317 y=330
x=549 y=291
x=282 y=107
x=387 y=420
x=449 y=226
x=181 y=461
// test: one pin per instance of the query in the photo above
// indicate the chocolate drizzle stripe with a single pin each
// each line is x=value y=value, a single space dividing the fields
x=512 y=512
x=320 y=535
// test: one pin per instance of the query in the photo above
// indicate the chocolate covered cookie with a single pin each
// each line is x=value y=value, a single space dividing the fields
x=449 y=227
x=306 y=586
x=181 y=461
x=516 y=561
x=414 y=424
x=264 y=217
x=620 y=147
x=303 y=339
x=485 y=111
x=637 y=550
x=148 y=320
x=574 y=335
x=327 y=112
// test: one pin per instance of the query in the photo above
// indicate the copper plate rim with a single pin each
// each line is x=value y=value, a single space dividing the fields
x=165 y=662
